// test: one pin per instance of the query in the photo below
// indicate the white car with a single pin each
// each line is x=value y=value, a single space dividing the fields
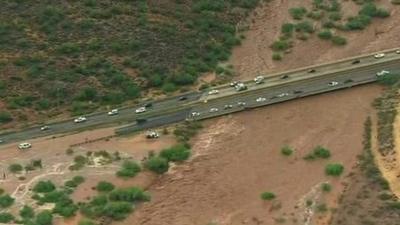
x=24 y=145
x=113 y=112
x=397 y=51
x=333 y=83
x=213 y=92
x=282 y=95
x=1 y=141
x=382 y=73
x=233 y=83
x=240 y=87
x=228 y=106
x=44 y=128
x=152 y=135
x=194 y=114
x=213 y=110
x=241 y=103
x=261 y=99
x=140 y=110
x=379 y=55
x=259 y=79
x=80 y=119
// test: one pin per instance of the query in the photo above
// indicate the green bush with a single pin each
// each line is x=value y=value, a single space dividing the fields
x=129 y=169
x=370 y=9
x=321 y=208
x=326 y=187
x=44 y=218
x=305 y=26
x=297 y=13
x=287 y=151
x=316 y=14
x=117 y=210
x=335 y=16
x=276 y=56
x=15 y=168
x=287 y=28
x=75 y=182
x=68 y=48
x=157 y=164
x=338 y=40
x=176 y=153
x=6 y=201
x=358 y=22
x=132 y=194
x=325 y=34
x=334 y=169
x=321 y=152
x=27 y=212
x=44 y=187
x=5 y=117
x=104 y=186
x=6 y=217
x=280 y=45
x=86 y=222
x=267 y=196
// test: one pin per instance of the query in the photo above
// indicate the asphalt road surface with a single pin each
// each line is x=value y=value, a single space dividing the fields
x=275 y=89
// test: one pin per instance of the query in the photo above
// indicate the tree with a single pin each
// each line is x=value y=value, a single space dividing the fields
x=6 y=217
x=15 y=168
x=27 y=212
x=157 y=164
x=44 y=218
x=267 y=196
x=5 y=117
x=44 y=187
x=104 y=186
x=176 y=153
x=322 y=152
x=297 y=13
x=132 y=194
x=6 y=201
x=334 y=169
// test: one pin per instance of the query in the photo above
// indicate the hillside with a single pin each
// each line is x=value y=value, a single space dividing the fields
x=79 y=55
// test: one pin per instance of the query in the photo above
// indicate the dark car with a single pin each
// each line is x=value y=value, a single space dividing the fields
x=182 y=98
x=348 y=81
x=312 y=71
x=149 y=104
x=356 y=61
x=141 y=120
x=285 y=77
x=297 y=92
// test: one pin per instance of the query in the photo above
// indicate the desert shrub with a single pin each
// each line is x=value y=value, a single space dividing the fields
x=287 y=28
x=297 y=13
x=104 y=186
x=6 y=201
x=287 y=151
x=5 y=117
x=75 y=182
x=132 y=194
x=321 y=152
x=334 y=169
x=326 y=187
x=27 y=212
x=338 y=40
x=37 y=163
x=335 y=16
x=68 y=48
x=157 y=164
x=44 y=218
x=15 y=168
x=370 y=9
x=276 y=56
x=322 y=208
x=44 y=187
x=176 y=153
x=129 y=169
x=358 y=22
x=267 y=196
x=117 y=210
x=305 y=26
x=1 y=191
x=325 y=34
x=280 y=45
x=316 y=14
x=65 y=207
x=6 y=217
x=169 y=87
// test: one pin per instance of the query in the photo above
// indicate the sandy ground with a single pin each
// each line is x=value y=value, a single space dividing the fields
x=253 y=57
x=390 y=168
x=238 y=157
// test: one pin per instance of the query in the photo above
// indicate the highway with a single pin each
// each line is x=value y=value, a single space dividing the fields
x=300 y=83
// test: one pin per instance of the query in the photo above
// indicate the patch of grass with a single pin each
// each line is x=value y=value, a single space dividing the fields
x=326 y=187
x=104 y=186
x=280 y=45
x=157 y=164
x=334 y=169
x=267 y=196
x=325 y=34
x=15 y=168
x=176 y=153
x=277 y=56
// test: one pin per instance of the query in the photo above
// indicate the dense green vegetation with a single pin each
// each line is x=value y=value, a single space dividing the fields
x=129 y=169
x=318 y=152
x=176 y=153
x=287 y=150
x=267 y=196
x=334 y=169
x=85 y=54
